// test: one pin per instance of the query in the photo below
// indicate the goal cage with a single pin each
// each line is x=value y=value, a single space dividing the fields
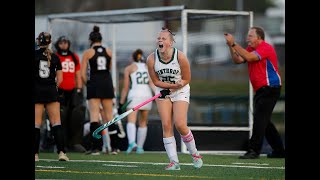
x=199 y=34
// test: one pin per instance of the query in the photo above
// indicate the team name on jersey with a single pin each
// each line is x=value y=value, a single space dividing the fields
x=167 y=70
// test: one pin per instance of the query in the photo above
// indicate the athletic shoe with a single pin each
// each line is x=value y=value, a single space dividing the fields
x=114 y=152
x=139 y=150
x=36 y=157
x=63 y=157
x=93 y=152
x=173 y=166
x=131 y=147
x=250 y=154
x=197 y=161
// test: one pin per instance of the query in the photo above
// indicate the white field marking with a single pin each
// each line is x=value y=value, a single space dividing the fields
x=186 y=164
x=263 y=164
x=50 y=167
x=119 y=165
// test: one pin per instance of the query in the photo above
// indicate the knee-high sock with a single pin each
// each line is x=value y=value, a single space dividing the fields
x=171 y=148
x=58 y=137
x=37 y=138
x=95 y=142
x=189 y=142
x=141 y=136
x=131 y=132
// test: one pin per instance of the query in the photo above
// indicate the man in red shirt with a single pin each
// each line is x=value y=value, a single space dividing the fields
x=266 y=81
x=70 y=91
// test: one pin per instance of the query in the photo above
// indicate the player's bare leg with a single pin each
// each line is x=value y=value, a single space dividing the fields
x=53 y=110
x=165 y=112
x=180 y=109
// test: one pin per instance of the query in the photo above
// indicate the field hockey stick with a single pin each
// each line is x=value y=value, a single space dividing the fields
x=121 y=116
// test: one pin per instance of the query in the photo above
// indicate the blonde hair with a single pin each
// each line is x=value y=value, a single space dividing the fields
x=164 y=29
x=43 y=41
x=48 y=52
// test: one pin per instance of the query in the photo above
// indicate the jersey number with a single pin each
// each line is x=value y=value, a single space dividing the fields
x=44 y=70
x=142 y=78
x=168 y=79
x=101 y=61
x=67 y=66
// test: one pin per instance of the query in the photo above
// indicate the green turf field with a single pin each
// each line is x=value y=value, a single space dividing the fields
x=151 y=166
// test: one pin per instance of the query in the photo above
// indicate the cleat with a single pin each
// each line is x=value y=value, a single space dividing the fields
x=197 y=161
x=63 y=157
x=131 y=147
x=114 y=152
x=173 y=166
x=139 y=150
x=93 y=152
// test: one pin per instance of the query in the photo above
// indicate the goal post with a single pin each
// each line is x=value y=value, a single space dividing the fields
x=185 y=16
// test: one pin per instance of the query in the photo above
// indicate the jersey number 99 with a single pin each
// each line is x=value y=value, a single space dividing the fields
x=67 y=66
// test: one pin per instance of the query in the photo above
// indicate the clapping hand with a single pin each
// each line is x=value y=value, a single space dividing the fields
x=229 y=39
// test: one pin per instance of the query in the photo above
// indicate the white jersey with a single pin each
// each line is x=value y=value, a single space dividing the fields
x=139 y=83
x=169 y=72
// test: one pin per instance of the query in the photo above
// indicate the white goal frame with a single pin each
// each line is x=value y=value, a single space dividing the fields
x=132 y=15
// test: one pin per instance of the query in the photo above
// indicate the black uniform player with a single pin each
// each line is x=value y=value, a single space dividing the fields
x=47 y=68
x=100 y=89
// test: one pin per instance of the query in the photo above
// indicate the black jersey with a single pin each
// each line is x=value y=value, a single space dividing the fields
x=43 y=74
x=99 y=63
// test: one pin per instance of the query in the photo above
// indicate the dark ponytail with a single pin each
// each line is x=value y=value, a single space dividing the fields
x=95 y=35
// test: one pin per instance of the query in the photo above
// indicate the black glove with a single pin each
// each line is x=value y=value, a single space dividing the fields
x=164 y=93
x=120 y=110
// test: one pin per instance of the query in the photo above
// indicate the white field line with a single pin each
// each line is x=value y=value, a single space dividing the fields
x=186 y=164
x=263 y=164
x=118 y=165
x=50 y=167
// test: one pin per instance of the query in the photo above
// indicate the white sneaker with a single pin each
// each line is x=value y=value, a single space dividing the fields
x=197 y=161
x=132 y=146
x=63 y=156
x=173 y=166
